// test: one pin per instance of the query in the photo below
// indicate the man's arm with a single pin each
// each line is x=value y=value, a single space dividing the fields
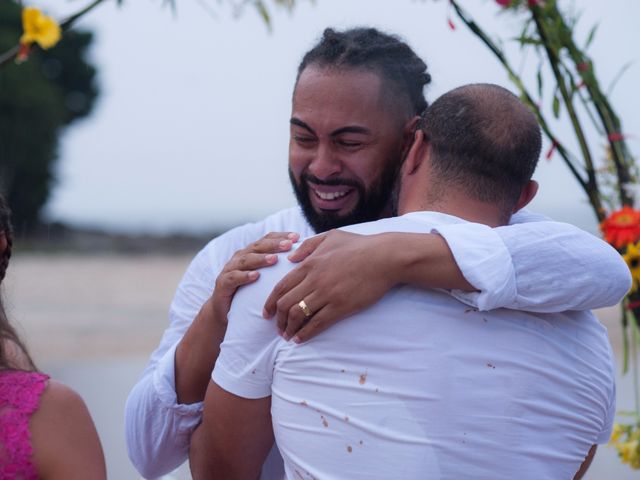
x=537 y=266
x=157 y=427
x=556 y=266
x=236 y=433
x=198 y=350
x=234 y=438
x=159 y=416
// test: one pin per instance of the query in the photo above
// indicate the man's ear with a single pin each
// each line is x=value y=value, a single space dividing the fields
x=526 y=195
x=408 y=133
x=3 y=242
x=416 y=154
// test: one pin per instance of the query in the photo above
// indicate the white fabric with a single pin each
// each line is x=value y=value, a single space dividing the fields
x=421 y=386
x=158 y=429
x=554 y=266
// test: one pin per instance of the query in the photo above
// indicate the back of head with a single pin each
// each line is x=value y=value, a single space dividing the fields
x=403 y=73
x=484 y=141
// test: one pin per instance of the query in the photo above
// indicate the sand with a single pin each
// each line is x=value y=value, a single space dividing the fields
x=92 y=320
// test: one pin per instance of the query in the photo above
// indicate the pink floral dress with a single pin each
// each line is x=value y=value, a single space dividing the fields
x=19 y=397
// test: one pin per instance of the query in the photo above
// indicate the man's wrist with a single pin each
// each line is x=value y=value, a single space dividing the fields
x=395 y=259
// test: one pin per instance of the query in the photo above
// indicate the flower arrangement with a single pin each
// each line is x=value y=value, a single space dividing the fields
x=607 y=178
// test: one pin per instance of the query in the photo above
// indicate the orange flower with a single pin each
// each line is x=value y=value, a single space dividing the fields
x=622 y=227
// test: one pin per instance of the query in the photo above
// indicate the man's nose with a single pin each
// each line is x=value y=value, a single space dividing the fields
x=325 y=163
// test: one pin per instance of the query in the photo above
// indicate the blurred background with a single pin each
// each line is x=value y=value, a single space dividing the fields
x=169 y=125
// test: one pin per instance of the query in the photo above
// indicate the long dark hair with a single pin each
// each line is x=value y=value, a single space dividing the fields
x=9 y=339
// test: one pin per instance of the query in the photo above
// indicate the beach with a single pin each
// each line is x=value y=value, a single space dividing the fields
x=92 y=320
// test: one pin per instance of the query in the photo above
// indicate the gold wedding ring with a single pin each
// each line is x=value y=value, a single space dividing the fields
x=304 y=308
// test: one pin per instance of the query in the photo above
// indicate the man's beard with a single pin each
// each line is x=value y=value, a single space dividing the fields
x=371 y=203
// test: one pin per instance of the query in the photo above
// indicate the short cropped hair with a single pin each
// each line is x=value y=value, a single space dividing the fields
x=484 y=140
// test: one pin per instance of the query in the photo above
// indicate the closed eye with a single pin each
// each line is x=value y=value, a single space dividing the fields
x=301 y=139
x=349 y=143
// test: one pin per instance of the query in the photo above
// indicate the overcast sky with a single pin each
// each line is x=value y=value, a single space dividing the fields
x=191 y=128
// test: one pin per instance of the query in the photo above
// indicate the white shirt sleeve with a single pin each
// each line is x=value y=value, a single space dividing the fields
x=536 y=265
x=247 y=354
x=605 y=434
x=158 y=429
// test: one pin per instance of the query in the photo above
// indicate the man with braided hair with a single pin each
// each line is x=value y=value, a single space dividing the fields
x=357 y=100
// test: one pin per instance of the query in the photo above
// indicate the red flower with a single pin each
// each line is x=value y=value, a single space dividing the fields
x=23 y=53
x=622 y=227
x=504 y=3
x=552 y=149
x=583 y=66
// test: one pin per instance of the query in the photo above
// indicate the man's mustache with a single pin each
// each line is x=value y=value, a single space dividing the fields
x=308 y=178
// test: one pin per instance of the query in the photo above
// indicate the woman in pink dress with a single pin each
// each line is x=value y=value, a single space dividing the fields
x=45 y=428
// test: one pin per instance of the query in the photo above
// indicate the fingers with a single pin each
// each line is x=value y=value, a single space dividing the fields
x=288 y=310
x=284 y=286
x=269 y=245
x=316 y=324
x=229 y=282
x=250 y=261
x=307 y=248
x=296 y=317
x=274 y=242
x=293 y=236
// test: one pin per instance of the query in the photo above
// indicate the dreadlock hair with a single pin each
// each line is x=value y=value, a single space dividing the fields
x=9 y=339
x=400 y=69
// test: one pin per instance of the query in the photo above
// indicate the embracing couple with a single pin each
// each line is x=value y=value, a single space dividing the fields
x=445 y=334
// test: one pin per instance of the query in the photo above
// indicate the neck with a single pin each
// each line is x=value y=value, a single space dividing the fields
x=458 y=204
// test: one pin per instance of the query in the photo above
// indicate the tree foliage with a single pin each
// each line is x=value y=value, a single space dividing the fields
x=38 y=100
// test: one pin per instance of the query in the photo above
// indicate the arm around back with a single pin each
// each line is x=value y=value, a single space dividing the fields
x=64 y=437
x=553 y=266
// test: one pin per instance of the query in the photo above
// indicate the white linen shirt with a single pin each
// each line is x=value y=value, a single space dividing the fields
x=421 y=386
x=533 y=264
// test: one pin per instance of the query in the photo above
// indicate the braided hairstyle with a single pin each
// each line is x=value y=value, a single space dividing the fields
x=13 y=354
x=393 y=60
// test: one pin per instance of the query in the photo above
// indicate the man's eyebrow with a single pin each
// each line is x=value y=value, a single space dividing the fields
x=301 y=124
x=351 y=129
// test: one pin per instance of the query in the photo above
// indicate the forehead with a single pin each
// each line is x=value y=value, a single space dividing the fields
x=331 y=98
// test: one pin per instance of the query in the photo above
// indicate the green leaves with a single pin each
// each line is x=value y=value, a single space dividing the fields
x=556 y=104
x=591 y=36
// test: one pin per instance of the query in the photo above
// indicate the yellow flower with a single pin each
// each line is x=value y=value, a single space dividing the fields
x=632 y=257
x=617 y=432
x=39 y=28
x=628 y=452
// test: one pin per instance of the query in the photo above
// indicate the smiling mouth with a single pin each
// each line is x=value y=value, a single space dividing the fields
x=330 y=197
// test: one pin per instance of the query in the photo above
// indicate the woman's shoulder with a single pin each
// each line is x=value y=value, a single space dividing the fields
x=64 y=438
x=59 y=397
